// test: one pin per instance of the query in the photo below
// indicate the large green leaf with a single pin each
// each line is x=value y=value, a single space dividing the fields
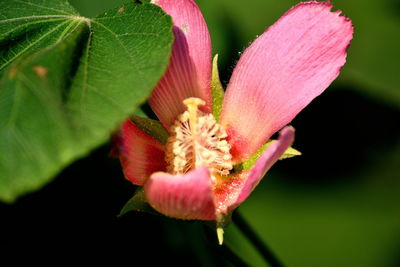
x=26 y=26
x=68 y=82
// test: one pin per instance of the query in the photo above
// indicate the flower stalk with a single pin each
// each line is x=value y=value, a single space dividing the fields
x=267 y=254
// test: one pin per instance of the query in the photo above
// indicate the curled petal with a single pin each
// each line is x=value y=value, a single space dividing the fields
x=264 y=163
x=140 y=154
x=227 y=190
x=187 y=196
x=284 y=69
x=189 y=70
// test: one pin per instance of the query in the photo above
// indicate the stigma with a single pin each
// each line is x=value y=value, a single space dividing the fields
x=196 y=139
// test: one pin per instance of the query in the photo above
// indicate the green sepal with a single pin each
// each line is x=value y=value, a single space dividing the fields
x=290 y=153
x=153 y=128
x=139 y=112
x=217 y=90
x=137 y=203
x=249 y=163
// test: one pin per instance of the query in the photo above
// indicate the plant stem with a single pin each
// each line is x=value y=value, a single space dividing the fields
x=258 y=244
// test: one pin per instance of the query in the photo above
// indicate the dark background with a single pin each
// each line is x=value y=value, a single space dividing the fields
x=336 y=205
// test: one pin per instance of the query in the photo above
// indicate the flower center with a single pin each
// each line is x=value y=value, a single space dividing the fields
x=196 y=139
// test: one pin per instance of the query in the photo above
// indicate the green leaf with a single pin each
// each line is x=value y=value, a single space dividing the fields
x=91 y=8
x=26 y=26
x=137 y=203
x=153 y=128
x=62 y=98
x=216 y=89
x=249 y=163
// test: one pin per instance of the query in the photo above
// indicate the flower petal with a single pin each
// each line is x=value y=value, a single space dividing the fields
x=230 y=191
x=189 y=70
x=264 y=163
x=284 y=69
x=227 y=190
x=187 y=196
x=140 y=154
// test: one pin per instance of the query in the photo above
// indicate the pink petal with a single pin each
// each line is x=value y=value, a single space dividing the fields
x=284 y=69
x=264 y=163
x=189 y=71
x=187 y=196
x=140 y=154
x=227 y=190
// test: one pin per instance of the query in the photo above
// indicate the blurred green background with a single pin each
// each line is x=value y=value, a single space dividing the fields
x=336 y=205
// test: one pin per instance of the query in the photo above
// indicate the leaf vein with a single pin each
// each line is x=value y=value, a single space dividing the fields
x=106 y=97
x=43 y=7
x=132 y=60
x=30 y=45
x=85 y=79
x=139 y=34
x=42 y=17
x=27 y=24
x=68 y=30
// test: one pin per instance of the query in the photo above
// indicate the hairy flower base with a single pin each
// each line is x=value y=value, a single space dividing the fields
x=196 y=139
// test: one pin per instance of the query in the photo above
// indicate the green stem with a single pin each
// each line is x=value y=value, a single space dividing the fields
x=258 y=244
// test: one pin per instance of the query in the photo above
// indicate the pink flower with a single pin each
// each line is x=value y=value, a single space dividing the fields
x=192 y=175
